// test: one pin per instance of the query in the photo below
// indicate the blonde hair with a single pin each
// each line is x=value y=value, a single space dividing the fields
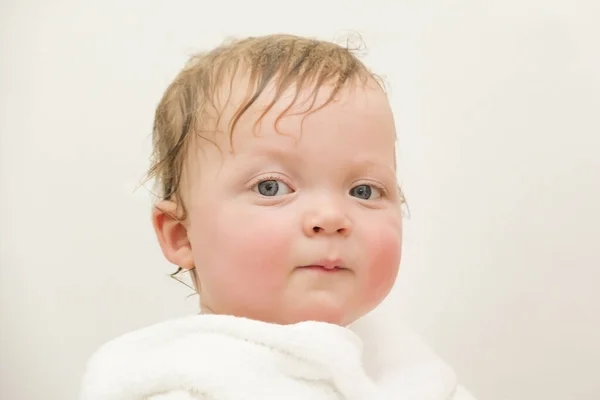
x=282 y=60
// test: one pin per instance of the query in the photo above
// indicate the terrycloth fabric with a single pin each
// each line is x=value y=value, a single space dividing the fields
x=402 y=365
x=213 y=357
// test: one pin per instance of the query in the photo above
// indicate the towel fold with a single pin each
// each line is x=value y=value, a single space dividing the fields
x=216 y=357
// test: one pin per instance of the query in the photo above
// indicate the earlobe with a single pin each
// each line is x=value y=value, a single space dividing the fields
x=172 y=234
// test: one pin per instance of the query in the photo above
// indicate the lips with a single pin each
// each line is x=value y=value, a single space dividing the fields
x=326 y=266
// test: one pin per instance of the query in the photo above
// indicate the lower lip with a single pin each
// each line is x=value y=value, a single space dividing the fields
x=323 y=269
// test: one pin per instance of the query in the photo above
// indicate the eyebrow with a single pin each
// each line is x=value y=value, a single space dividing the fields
x=284 y=157
x=275 y=153
x=366 y=163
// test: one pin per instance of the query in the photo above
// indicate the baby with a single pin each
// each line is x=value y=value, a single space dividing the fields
x=275 y=159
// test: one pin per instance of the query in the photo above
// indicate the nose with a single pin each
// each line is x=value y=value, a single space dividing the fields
x=326 y=221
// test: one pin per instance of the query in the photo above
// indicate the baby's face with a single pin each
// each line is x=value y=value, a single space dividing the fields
x=299 y=222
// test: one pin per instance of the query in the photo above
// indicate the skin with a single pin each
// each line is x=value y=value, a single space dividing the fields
x=294 y=221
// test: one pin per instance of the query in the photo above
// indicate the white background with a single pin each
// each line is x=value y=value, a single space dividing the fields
x=498 y=114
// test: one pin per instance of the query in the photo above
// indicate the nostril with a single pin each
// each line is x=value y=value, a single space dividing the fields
x=316 y=229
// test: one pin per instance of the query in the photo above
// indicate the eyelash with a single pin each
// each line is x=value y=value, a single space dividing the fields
x=263 y=178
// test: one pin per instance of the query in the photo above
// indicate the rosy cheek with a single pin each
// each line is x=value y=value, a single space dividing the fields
x=252 y=245
x=384 y=254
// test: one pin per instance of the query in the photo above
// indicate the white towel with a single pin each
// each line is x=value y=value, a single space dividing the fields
x=216 y=357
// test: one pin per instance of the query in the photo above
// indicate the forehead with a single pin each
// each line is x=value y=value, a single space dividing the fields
x=356 y=112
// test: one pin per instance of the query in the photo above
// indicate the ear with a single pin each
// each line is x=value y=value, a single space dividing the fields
x=172 y=234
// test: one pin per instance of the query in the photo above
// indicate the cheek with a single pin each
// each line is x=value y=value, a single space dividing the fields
x=384 y=252
x=243 y=245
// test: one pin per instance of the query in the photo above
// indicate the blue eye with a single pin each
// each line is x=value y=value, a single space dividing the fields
x=272 y=187
x=365 y=192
